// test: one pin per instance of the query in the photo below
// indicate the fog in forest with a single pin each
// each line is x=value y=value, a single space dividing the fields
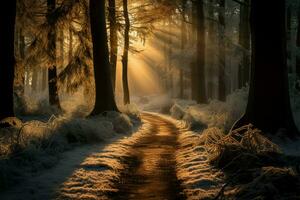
x=150 y=99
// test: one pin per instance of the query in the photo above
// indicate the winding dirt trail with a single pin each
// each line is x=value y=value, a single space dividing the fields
x=136 y=167
x=151 y=171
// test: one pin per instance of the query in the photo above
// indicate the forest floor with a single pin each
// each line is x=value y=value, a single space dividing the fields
x=141 y=166
x=165 y=160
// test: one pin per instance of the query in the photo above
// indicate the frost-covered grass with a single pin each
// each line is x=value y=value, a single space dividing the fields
x=199 y=179
x=214 y=114
x=154 y=103
x=30 y=147
x=97 y=175
x=240 y=165
x=215 y=164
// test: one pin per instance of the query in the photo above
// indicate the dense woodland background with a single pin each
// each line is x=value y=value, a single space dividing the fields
x=76 y=72
x=198 y=50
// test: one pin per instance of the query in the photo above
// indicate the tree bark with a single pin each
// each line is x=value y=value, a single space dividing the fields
x=200 y=63
x=269 y=104
x=222 y=56
x=52 y=71
x=7 y=58
x=34 y=83
x=193 y=64
x=170 y=54
x=105 y=100
x=210 y=51
x=44 y=79
x=22 y=57
x=298 y=46
x=289 y=38
x=126 y=97
x=244 y=41
x=183 y=42
x=113 y=40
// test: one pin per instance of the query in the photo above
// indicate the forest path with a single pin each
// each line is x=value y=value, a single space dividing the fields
x=140 y=166
x=151 y=171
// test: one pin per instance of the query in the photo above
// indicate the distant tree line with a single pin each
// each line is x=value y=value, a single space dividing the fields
x=37 y=33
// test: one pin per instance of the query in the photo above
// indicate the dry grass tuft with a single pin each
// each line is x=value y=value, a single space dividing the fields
x=26 y=148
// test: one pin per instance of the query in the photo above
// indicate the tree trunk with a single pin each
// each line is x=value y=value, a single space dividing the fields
x=52 y=71
x=170 y=54
x=44 y=79
x=105 y=100
x=126 y=98
x=22 y=57
x=200 y=63
x=298 y=46
x=210 y=51
x=22 y=45
x=222 y=56
x=165 y=50
x=34 y=83
x=244 y=41
x=269 y=104
x=113 y=40
x=193 y=74
x=7 y=59
x=289 y=38
x=183 y=42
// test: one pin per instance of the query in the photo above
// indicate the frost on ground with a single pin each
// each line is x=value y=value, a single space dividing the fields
x=97 y=172
x=28 y=148
x=133 y=167
x=243 y=164
x=214 y=114
x=199 y=179
x=154 y=103
x=95 y=177
x=240 y=165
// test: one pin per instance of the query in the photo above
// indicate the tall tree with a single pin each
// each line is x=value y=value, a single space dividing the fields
x=193 y=64
x=113 y=40
x=7 y=58
x=244 y=41
x=298 y=45
x=183 y=42
x=269 y=104
x=222 y=56
x=105 y=100
x=126 y=98
x=289 y=37
x=199 y=71
x=211 y=49
x=52 y=71
x=169 y=57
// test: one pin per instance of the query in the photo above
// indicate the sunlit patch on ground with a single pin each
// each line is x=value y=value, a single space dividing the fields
x=95 y=177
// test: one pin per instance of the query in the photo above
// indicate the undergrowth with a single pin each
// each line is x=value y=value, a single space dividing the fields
x=27 y=148
x=254 y=166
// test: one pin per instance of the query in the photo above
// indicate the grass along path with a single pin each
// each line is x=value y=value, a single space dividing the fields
x=140 y=166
